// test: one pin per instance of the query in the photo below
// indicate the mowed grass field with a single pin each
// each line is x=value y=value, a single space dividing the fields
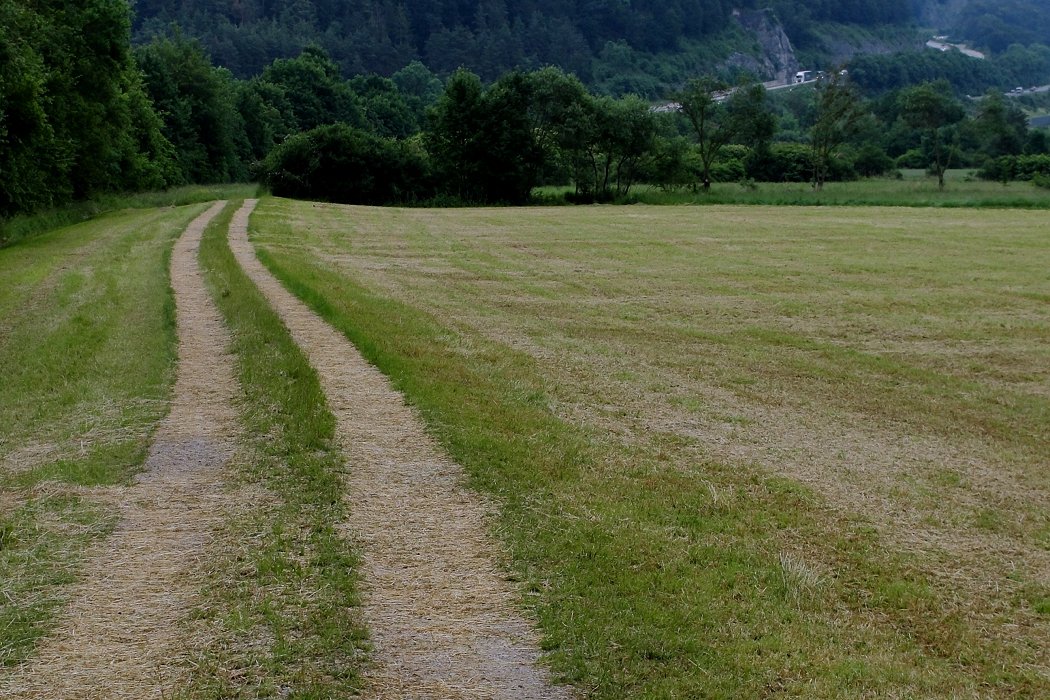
x=737 y=451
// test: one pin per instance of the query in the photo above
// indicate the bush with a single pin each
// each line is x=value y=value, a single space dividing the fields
x=338 y=163
x=872 y=161
x=913 y=158
x=793 y=162
x=672 y=164
x=781 y=162
x=1006 y=168
x=728 y=171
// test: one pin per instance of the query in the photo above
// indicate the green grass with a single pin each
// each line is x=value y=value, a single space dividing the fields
x=643 y=390
x=281 y=606
x=915 y=189
x=87 y=345
x=25 y=226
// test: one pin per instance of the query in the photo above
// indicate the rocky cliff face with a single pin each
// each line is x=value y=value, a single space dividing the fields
x=775 y=58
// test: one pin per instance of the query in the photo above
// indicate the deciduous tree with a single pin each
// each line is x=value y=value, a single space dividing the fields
x=720 y=116
x=839 y=113
x=931 y=108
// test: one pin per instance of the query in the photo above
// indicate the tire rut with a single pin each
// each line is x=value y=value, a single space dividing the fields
x=121 y=634
x=442 y=619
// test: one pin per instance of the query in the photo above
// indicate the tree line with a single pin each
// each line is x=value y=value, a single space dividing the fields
x=496 y=143
x=82 y=112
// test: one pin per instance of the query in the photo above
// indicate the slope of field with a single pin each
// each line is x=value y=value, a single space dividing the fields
x=739 y=451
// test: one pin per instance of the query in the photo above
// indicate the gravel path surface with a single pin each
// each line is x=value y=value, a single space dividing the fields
x=120 y=636
x=442 y=619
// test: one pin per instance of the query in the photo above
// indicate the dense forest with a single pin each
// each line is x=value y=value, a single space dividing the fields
x=998 y=24
x=486 y=36
x=83 y=111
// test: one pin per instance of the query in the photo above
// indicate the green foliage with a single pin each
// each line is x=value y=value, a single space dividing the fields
x=607 y=145
x=74 y=121
x=313 y=87
x=1020 y=65
x=481 y=142
x=1023 y=167
x=720 y=116
x=339 y=163
x=838 y=115
x=673 y=164
x=871 y=161
x=196 y=103
x=781 y=162
x=1002 y=23
x=386 y=110
x=999 y=128
x=28 y=147
x=931 y=109
x=642 y=47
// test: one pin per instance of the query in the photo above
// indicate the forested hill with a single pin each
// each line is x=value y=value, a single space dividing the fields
x=991 y=24
x=489 y=36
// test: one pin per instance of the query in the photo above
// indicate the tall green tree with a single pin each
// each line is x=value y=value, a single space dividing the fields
x=614 y=136
x=481 y=142
x=30 y=168
x=557 y=98
x=74 y=120
x=316 y=90
x=1000 y=126
x=839 y=115
x=196 y=102
x=453 y=135
x=932 y=109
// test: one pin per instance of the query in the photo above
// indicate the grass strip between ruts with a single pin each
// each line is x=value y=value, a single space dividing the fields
x=281 y=605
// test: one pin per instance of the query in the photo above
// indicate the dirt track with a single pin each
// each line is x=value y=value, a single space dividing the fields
x=120 y=636
x=442 y=618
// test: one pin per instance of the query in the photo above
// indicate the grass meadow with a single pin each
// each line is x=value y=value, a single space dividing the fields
x=737 y=451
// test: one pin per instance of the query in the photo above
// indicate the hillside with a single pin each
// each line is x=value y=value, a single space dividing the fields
x=639 y=46
x=990 y=24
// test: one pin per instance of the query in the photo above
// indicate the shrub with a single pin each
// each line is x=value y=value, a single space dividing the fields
x=1026 y=167
x=781 y=162
x=872 y=161
x=728 y=171
x=338 y=163
x=913 y=158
